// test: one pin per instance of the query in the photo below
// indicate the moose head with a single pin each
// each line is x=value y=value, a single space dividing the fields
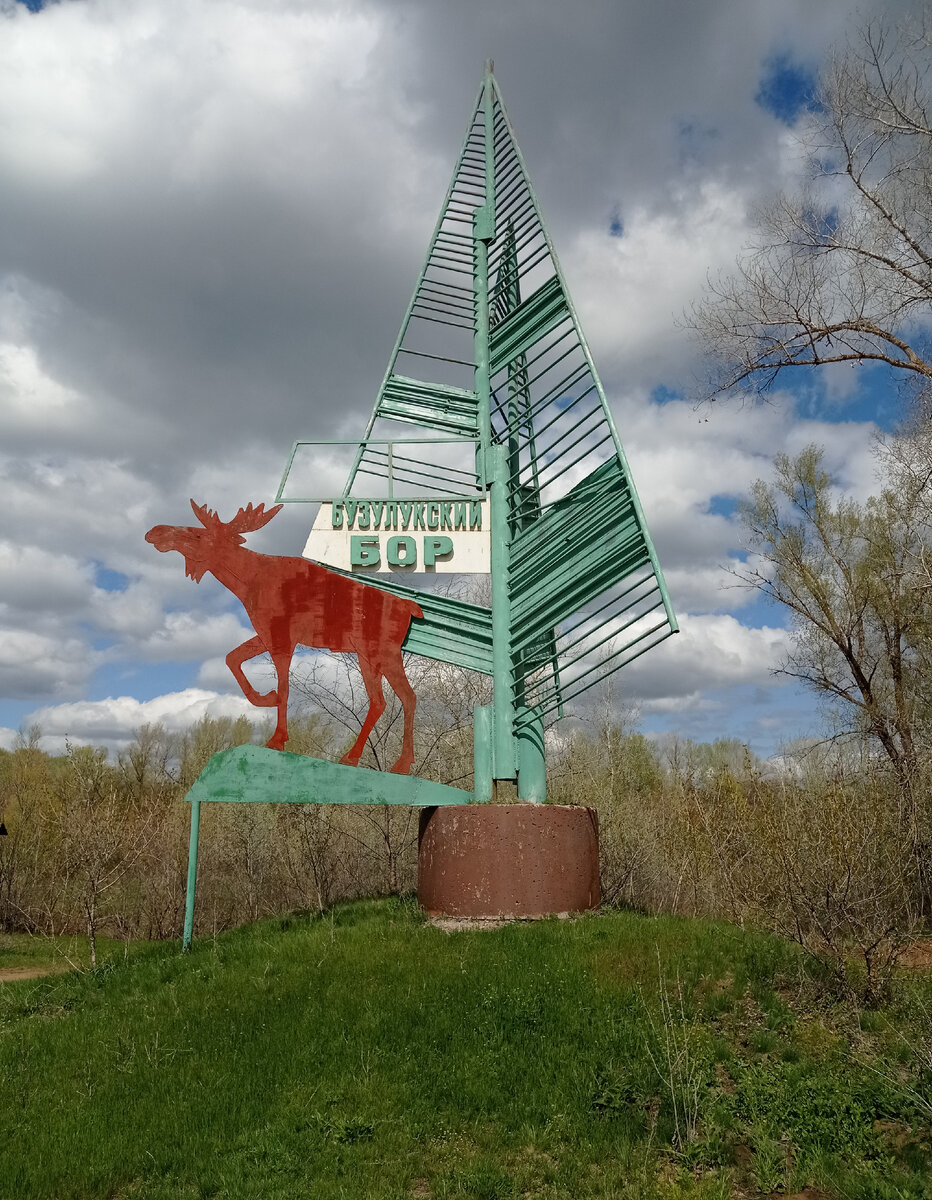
x=205 y=547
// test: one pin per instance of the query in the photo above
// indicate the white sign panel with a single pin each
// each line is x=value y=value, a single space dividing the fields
x=402 y=536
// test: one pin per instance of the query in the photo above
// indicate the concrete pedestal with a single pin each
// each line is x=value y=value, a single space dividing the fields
x=486 y=861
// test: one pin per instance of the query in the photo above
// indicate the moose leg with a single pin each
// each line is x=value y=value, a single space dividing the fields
x=235 y=659
x=395 y=674
x=373 y=684
x=282 y=669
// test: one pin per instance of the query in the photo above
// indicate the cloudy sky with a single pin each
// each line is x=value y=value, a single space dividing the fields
x=212 y=213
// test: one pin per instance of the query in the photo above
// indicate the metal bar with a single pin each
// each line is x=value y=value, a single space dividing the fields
x=553 y=704
x=192 y=875
x=411 y=473
x=455 y=301
x=579 y=457
x=532 y=764
x=429 y=304
x=593 y=412
x=286 y=473
x=482 y=753
x=671 y=616
x=431 y=262
x=389 y=370
x=551 y=345
x=439 y=321
x=418 y=462
x=460 y=362
x=566 y=647
x=526 y=231
x=562 y=412
x=533 y=634
x=439 y=257
x=450 y=286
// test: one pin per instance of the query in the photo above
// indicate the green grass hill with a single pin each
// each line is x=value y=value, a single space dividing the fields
x=365 y=1053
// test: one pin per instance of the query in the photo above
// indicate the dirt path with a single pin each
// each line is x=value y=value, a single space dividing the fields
x=12 y=974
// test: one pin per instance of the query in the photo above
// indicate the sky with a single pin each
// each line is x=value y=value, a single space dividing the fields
x=212 y=214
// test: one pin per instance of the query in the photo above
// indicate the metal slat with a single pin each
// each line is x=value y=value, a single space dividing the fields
x=533 y=319
x=437 y=406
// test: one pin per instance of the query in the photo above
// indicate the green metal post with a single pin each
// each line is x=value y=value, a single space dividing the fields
x=503 y=678
x=532 y=765
x=494 y=472
x=482 y=753
x=192 y=875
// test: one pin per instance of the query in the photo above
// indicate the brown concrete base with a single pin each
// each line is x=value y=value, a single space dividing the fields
x=487 y=861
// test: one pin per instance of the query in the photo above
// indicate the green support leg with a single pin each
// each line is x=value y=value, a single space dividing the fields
x=532 y=764
x=482 y=753
x=192 y=875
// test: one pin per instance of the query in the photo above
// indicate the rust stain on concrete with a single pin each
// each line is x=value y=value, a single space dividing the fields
x=508 y=861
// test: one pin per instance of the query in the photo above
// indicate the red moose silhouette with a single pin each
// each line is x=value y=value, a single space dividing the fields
x=292 y=602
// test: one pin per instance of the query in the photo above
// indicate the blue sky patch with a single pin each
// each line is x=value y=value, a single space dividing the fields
x=616 y=227
x=664 y=395
x=110 y=581
x=723 y=506
x=786 y=89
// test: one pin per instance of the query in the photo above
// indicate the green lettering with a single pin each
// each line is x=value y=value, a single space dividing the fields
x=336 y=514
x=402 y=552
x=364 y=551
x=350 y=506
x=419 y=514
x=364 y=514
x=433 y=514
x=459 y=520
x=405 y=506
x=378 y=508
x=437 y=547
x=446 y=515
x=475 y=514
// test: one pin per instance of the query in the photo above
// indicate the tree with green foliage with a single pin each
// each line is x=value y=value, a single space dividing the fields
x=851 y=576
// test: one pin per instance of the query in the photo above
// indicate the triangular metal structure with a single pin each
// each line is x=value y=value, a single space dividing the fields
x=491 y=356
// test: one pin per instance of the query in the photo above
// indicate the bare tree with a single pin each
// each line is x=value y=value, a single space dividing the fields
x=101 y=833
x=842 y=271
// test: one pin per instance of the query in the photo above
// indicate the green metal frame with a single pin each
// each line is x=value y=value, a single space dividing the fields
x=255 y=775
x=386 y=466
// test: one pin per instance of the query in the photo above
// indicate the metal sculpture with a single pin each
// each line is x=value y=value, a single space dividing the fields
x=513 y=439
x=293 y=602
x=491 y=357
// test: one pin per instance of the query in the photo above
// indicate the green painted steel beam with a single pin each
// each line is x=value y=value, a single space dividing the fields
x=528 y=323
x=440 y=406
x=256 y=775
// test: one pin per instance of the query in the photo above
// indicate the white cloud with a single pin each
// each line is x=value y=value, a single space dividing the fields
x=212 y=219
x=185 y=637
x=34 y=665
x=114 y=721
x=711 y=652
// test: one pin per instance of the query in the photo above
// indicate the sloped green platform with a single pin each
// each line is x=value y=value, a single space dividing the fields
x=255 y=774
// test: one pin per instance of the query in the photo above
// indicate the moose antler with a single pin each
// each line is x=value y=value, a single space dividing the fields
x=249 y=519
x=207 y=517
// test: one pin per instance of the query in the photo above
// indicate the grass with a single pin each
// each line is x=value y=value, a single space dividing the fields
x=366 y=1054
x=67 y=952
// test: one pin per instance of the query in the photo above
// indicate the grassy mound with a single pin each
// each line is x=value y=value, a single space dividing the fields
x=366 y=1054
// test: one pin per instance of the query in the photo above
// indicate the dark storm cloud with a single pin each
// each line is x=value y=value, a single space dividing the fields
x=212 y=216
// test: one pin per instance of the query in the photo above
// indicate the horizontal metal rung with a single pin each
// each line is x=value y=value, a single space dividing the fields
x=460 y=362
